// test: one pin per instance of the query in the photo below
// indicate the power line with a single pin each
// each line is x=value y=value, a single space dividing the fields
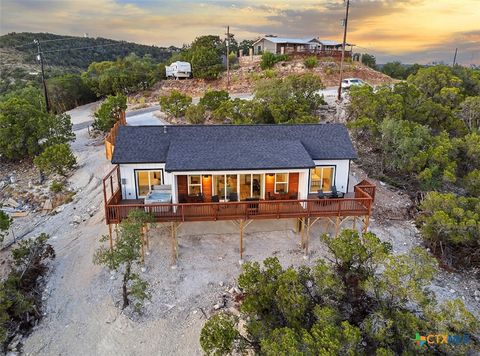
x=343 y=50
x=75 y=48
x=47 y=41
x=40 y=58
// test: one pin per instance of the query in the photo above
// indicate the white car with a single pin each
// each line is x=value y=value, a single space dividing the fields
x=349 y=82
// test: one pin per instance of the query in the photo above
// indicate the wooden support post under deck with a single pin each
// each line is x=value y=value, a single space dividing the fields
x=354 y=223
x=367 y=219
x=173 y=227
x=145 y=235
x=110 y=238
x=241 y=238
x=116 y=233
x=337 y=226
x=142 y=240
x=302 y=231
x=307 y=237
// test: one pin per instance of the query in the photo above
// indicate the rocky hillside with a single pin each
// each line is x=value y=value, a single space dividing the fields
x=247 y=72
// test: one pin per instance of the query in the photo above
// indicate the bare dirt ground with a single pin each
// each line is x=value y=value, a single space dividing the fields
x=81 y=313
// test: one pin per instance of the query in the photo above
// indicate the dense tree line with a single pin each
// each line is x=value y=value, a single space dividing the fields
x=125 y=75
x=424 y=134
x=398 y=70
x=99 y=49
x=366 y=302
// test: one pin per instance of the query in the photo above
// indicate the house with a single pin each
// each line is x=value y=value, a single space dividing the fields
x=280 y=45
x=226 y=160
x=309 y=45
x=235 y=172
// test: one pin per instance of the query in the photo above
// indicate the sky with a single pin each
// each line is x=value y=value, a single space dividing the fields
x=412 y=31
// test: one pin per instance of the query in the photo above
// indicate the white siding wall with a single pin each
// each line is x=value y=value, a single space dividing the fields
x=342 y=170
x=266 y=46
x=127 y=171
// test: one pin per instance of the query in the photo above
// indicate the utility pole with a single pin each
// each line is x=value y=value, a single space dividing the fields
x=40 y=58
x=455 y=57
x=228 y=59
x=345 y=24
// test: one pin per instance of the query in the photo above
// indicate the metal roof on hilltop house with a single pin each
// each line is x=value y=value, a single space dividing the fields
x=232 y=147
x=289 y=40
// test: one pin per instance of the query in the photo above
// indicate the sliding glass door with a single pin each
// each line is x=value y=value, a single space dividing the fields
x=146 y=180
x=225 y=186
x=251 y=186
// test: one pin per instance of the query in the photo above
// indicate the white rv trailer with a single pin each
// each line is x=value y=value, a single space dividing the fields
x=178 y=70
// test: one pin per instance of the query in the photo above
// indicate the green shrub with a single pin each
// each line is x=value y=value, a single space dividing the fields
x=293 y=99
x=471 y=182
x=343 y=308
x=20 y=291
x=451 y=226
x=25 y=129
x=175 y=104
x=56 y=187
x=56 y=159
x=109 y=112
x=195 y=114
x=268 y=60
x=124 y=75
x=5 y=223
x=269 y=73
x=282 y=58
x=125 y=255
x=212 y=99
x=232 y=58
x=310 y=62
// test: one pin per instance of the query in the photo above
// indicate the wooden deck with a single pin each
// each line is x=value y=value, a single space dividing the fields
x=357 y=204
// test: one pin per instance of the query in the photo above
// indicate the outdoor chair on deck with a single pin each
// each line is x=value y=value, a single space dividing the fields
x=321 y=194
x=335 y=193
x=215 y=199
x=233 y=197
x=253 y=206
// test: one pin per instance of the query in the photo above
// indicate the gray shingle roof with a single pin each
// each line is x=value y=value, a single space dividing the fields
x=150 y=144
x=236 y=155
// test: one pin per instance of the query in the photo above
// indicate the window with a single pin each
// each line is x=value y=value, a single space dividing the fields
x=146 y=180
x=225 y=186
x=194 y=185
x=251 y=186
x=322 y=178
x=281 y=183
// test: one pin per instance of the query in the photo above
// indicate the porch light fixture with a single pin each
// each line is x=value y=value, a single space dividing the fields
x=270 y=174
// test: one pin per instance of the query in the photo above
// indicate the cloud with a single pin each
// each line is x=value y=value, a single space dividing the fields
x=388 y=28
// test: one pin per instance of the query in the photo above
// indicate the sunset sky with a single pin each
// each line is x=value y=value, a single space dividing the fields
x=406 y=30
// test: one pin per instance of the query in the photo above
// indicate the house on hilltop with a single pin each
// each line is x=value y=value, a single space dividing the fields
x=235 y=172
x=308 y=45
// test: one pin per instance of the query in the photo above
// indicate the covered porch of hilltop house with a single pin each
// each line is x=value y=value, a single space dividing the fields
x=240 y=197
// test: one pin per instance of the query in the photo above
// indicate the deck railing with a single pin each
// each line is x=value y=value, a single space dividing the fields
x=116 y=210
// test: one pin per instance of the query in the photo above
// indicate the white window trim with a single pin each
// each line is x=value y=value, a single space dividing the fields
x=194 y=185
x=137 y=187
x=275 y=183
x=321 y=178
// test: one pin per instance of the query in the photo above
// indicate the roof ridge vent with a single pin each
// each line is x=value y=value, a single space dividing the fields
x=165 y=129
